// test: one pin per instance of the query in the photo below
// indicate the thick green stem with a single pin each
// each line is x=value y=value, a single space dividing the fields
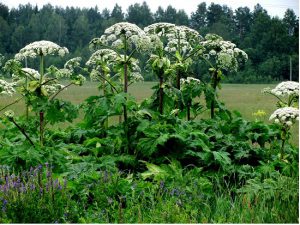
x=178 y=77
x=125 y=91
x=214 y=85
x=161 y=94
x=282 y=149
x=41 y=68
x=189 y=111
x=104 y=93
x=27 y=106
x=283 y=139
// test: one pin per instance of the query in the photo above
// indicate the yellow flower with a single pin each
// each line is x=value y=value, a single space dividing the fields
x=259 y=113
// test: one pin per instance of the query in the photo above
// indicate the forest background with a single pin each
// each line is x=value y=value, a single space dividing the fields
x=273 y=52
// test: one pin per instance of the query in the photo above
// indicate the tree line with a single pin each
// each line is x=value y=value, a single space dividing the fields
x=271 y=43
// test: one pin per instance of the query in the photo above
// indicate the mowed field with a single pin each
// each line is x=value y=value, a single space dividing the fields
x=245 y=98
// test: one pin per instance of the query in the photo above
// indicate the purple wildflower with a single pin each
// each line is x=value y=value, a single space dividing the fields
x=23 y=188
x=161 y=184
x=32 y=187
x=4 y=203
x=175 y=191
x=49 y=173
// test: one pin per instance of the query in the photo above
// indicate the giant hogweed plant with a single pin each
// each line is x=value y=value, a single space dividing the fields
x=287 y=94
x=173 y=48
x=222 y=56
x=41 y=88
x=125 y=39
x=159 y=61
x=183 y=44
x=105 y=69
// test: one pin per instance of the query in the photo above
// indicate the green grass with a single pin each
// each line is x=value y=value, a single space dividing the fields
x=245 y=98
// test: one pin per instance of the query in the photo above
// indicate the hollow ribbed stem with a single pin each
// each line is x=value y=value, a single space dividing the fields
x=283 y=140
x=214 y=85
x=161 y=94
x=189 y=111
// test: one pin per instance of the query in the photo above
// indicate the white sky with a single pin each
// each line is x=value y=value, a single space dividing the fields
x=274 y=7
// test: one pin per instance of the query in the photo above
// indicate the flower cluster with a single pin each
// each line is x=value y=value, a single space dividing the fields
x=189 y=81
x=156 y=31
x=59 y=73
x=6 y=88
x=287 y=88
x=121 y=34
x=182 y=39
x=41 y=48
x=53 y=88
x=286 y=116
x=259 y=113
x=225 y=53
x=71 y=64
x=9 y=114
x=160 y=29
x=102 y=55
x=32 y=74
x=135 y=77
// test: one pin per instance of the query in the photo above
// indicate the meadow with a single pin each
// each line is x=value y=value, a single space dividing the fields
x=245 y=98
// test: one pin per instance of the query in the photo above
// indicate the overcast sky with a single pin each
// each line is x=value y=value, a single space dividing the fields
x=274 y=7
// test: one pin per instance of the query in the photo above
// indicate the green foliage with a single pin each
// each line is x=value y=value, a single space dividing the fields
x=60 y=111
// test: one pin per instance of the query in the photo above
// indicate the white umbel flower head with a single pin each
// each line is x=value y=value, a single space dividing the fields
x=286 y=116
x=182 y=39
x=71 y=64
x=41 y=48
x=135 y=77
x=31 y=73
x=115 y=36
x=53 y=88
x=6 y=88
x=102 y=55
x=286 y=88
x=225 y=53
